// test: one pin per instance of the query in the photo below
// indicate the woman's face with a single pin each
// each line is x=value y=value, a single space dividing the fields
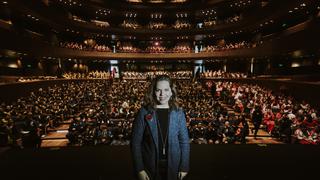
x=163 y=92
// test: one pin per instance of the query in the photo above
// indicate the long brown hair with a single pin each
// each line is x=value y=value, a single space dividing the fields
x=150 y=101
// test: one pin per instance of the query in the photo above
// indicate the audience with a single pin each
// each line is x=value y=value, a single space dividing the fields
x=90 y=75
x=102 y=111
x=132 y=24
x=127 y=47
x=157 y=25
x=182 y=24
x=212 y=22
x=31 y=117
x=85 y=47
x=221 y=74
x=283 y=117
x=239 y=45
x=152 y=74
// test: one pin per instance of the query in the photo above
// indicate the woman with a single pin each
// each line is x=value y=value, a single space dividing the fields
x=160 y=141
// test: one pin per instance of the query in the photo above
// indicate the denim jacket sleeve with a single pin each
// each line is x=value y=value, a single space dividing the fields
x=136 y=141
x=184 y=142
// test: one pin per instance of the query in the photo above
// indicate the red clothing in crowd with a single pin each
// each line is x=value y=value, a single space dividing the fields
x=310 y=124
x=268 y=120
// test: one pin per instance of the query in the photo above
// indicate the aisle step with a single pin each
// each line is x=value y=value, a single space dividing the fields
x=59 y=134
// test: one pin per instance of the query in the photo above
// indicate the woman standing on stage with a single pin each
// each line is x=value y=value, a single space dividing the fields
x=160 y=141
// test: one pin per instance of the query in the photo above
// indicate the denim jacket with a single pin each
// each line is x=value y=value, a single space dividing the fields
x=144 y=143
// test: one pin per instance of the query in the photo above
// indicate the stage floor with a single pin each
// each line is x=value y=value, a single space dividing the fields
x=236 y=161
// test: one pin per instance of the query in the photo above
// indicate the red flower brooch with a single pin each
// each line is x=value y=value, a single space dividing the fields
x=148 y=117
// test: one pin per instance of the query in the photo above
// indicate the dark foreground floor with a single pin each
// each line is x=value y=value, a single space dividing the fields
x=207 y=162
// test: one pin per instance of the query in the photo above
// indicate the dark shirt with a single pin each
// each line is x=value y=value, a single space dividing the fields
x=163 y=119
x=257 y=116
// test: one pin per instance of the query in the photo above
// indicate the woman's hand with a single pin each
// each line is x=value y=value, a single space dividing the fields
x=182 y=175
x=142 y=175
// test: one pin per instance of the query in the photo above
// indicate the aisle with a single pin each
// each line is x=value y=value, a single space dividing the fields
x=56 y=137
x=262 y=136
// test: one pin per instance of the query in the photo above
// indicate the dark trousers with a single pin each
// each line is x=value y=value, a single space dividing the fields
x=162 y=170
x=256 y=128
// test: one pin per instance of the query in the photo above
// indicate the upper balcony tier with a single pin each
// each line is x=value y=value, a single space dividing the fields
x=300 y=37
x=134 y=21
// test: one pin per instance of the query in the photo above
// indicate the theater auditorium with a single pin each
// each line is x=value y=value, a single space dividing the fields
x=75 y=73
